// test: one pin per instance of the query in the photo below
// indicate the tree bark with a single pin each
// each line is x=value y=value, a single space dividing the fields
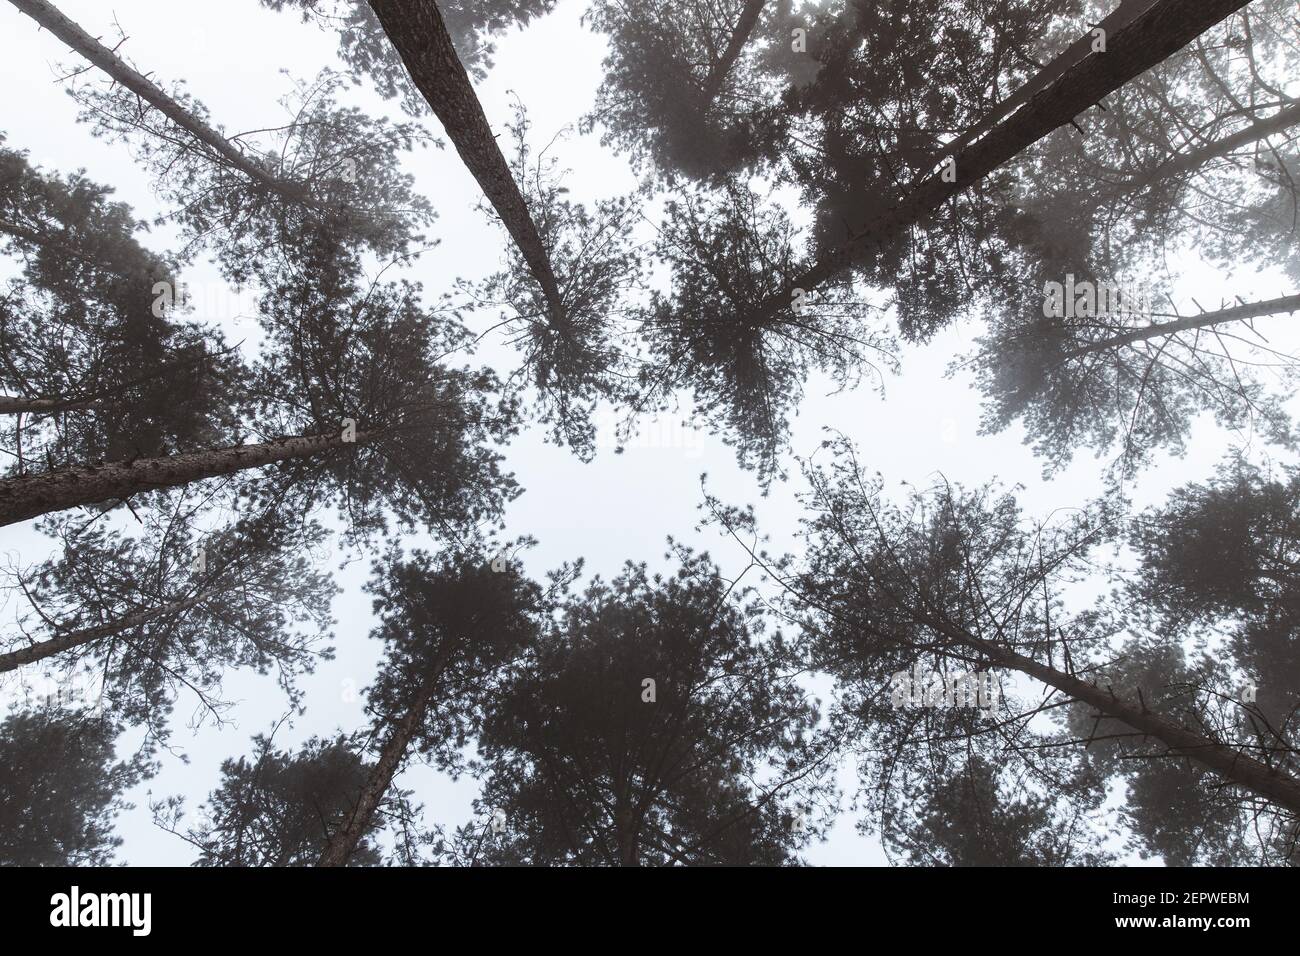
x=416 y=29
x=57 y=645
x=1236 y=313
x=49 y=17
x=1124 y=14
x=343 y=843
x=30 y=496
x=1232 y=765
x=1148 y=39
x=720 y=70
x=16 y=405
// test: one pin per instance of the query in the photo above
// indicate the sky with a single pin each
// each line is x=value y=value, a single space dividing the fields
x=239 y=59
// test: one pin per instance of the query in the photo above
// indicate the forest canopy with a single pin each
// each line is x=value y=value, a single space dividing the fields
x=361 y=413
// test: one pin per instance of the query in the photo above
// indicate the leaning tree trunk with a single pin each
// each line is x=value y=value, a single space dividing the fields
x=343 y=842
x=30 y=496
x=417 y=31
x=720 y=70
x=72 y=639
x=49 y=17
x=1205 y=320
x=1122 y=16
x=1148 y=39
x=1230 y=764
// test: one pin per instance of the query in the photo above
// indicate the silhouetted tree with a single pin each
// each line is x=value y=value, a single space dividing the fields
x=675 y=90
x=728 y=250
x=449 y=625
x=61 y=788
x=95 y=363
x=651 y=725
x=377 y=425
x=174 y=608
x=1113 y=379
x=419 y=33
x=959 y=578
x=331 y=174
x=977 y=816
x=278 y=808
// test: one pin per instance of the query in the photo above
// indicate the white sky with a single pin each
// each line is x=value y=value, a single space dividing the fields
x=621 y=506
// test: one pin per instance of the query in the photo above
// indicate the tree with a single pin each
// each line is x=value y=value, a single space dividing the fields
x=449 y=624
x=728 y=249
x=886 y=213
x=1188 y=162
x=278 y=808
x=330 y=175
x=1198 y=154
x=977 y=816
x=174 y=608
x=375 y=423
x=651 y=725
x=1223 y=554
x=333 y=171
x=958 y=577
x=675 y=91
x=1174 y=807
x=1100 y=377
x=97 y=364
x=419 y=33
x=1147 y=40
x=566 y=370
x=61 y=788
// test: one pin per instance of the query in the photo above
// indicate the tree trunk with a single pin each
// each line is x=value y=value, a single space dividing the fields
x=1151 y=37
x=417 y=31
x=16 y=405
x=57 y=645
x=1232 y=765
x=1251 y=310
x=1122 y=16
x=30 y=496
x=49 y=17
x=722 y=69
x=343 y=843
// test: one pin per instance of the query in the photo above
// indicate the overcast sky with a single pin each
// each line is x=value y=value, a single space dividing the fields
x=234 y=56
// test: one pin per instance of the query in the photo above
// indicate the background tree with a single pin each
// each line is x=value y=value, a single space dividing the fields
x=418 y=449
x=683 y=81
x=61 y=788
x=728 y=250
x=586 y=763
x=96 y=363
x=172 y=609
x=1186 y=163
x=449 y=625
x=278 y=808
x=958 y=579
x=980 y=815
x=1109 y=381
